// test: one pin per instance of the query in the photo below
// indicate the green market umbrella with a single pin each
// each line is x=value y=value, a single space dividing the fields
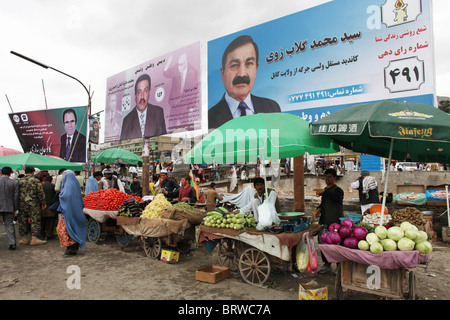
x=390 y=129
x=267 y=136
x=113 y=154
x=19 y=161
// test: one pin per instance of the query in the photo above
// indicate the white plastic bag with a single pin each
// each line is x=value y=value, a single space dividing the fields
x=267 y=215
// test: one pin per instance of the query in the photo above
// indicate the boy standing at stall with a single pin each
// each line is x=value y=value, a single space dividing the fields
x=330 y=209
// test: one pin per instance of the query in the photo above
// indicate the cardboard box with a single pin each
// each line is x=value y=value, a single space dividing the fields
x=212 y=274
x=169 y=256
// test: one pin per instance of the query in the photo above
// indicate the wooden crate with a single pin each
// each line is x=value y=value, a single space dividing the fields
x=212 y=274
x=446 y=234
x=416 y=188
x=437 y=203
x=354 y=276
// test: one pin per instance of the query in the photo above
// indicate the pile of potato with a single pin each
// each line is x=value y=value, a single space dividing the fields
x=409 y=214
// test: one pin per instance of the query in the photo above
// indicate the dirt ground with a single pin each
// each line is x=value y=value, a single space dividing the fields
x=109 y=272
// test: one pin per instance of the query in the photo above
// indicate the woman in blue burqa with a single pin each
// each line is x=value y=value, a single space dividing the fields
x=71 y=227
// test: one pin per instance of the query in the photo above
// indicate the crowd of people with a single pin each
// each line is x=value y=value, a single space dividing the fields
x=41 y=208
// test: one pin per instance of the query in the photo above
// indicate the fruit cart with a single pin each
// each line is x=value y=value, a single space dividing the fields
x=387 y=274
x=254 y=253
x=175 y=230
x=98 y=222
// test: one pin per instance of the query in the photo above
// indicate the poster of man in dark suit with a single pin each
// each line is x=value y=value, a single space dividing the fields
x=73 y=143
x=240 y=63
x=145 y=120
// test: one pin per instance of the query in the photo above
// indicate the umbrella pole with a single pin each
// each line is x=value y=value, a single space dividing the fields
x=448 y=211
x=383 y=205
x=266 y=195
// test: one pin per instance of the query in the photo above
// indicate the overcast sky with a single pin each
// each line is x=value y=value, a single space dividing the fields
x=93 y=40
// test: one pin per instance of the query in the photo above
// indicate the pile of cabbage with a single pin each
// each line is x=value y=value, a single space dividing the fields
x=406 y=237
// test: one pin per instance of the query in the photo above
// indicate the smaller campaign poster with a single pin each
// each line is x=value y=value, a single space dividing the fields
x=158 y=97
x=94 y=130
x=53 y=132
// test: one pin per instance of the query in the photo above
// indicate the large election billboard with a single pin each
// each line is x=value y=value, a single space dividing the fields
x=158 y=97
x=320 y=60
x=55 y=132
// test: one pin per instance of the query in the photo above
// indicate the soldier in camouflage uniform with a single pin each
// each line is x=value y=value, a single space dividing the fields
x=32 y=199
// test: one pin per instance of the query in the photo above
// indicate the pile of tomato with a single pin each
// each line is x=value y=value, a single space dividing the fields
x=106 y=200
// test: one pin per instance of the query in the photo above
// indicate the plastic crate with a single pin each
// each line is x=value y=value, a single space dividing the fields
x=355 y=217
x=296 y=226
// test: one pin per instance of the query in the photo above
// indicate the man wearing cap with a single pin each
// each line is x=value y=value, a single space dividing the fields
x=211 y=196
x=31 y=200
x=168 y=186
x=368 y=190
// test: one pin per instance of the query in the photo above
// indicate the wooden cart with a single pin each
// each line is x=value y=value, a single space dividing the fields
x=156 y=233
x=98 y=222
x=388 y=274
x=254 y=253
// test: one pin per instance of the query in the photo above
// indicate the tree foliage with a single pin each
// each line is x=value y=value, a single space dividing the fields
x=444 y=105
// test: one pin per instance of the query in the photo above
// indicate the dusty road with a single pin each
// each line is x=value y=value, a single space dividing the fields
x=109 y=272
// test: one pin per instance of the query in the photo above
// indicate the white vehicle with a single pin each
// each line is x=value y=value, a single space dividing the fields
x=406 y=166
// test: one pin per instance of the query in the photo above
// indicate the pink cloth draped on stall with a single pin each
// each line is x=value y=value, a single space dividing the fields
x=384 y=260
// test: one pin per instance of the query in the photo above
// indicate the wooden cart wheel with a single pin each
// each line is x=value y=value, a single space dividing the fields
x=412 y=286
x=152 y=246
x=93 y=230
x=123 y=239
x=228 y=254
x=254 y=266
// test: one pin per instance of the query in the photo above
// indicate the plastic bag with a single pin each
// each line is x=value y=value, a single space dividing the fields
x=312 y=254
x=301 y=254
x=312 y=294
x=267 y=215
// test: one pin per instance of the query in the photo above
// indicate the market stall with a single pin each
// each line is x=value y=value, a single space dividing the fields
x=255 y=253
x=391 y=129
x=101 y=209
x=162 y=224
x=252 y=138
x=376 y=259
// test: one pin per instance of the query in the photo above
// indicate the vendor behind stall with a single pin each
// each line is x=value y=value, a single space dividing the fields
x=167 y=186
x=136 y=187
x=212 y=196
x=108 y=181
x=186 y=193
x=259 y=198
x=330 y=208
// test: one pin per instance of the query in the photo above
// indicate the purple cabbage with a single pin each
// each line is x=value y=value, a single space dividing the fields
x=334 y=238
x=324 y=238
x=360 y=233
x=345 y=232
x=334 y=227
x=351 y=243
x=348 y=223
